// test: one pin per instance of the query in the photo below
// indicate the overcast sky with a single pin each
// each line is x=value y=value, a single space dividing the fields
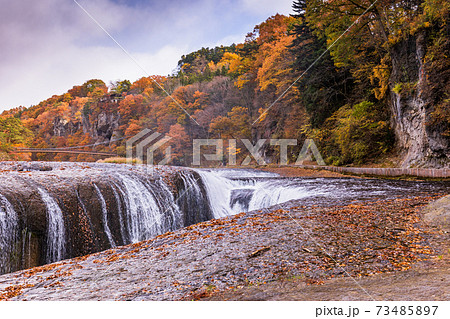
x=48 y=46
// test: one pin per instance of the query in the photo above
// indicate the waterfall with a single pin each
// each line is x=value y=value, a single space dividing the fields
x=56 y=237
x=144 y=218
x=108 y=205
x=270 y=193
x=125 y=235
x=170 y=213
x=218 y=190
x=105 y=217
x=233 y=191
x=8 y=234
x=145 y=206
x=192 y=200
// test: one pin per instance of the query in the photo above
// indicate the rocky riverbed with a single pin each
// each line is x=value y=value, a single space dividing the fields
x=285 y=252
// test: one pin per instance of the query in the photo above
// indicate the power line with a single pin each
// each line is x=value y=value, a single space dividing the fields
x=87 y=145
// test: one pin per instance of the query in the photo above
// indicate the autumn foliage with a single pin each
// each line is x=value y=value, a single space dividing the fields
x=291 y=78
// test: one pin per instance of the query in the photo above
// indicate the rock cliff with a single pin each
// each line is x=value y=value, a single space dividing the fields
x=412 y=102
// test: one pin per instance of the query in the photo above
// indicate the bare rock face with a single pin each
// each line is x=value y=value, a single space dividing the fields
x=438 y=213
x=421 y=144
x=106 y=124
x=63 y=127
x=101 y=127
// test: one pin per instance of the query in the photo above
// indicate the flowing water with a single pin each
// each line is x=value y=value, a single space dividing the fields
x=105 y=217
x=149 y=207
x=8 y=233
x=122 y=204
x=235 y=191
x=231 y=191
x=56 y=236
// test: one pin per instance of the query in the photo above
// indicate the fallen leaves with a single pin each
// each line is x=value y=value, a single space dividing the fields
x=255 y=248
x=13 y=291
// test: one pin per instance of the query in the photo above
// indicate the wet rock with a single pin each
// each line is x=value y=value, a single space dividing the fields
x=210 y=258
x=102 y=206
x=32 y=167
x=107 y=205
x=191 y=197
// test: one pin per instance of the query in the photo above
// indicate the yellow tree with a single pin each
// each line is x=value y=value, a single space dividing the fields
x=273 y=58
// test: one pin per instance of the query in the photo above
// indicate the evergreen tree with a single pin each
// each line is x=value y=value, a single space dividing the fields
x=323 y=86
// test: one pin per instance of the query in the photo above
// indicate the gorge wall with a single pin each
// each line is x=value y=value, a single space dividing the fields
x=421 y=141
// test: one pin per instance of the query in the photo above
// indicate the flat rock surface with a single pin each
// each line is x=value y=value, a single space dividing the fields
x=427 y=280
x=375 y=250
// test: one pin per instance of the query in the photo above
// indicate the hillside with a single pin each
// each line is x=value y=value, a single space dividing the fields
x=382 y=90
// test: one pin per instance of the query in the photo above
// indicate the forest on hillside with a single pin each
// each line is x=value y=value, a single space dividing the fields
x=366 y=80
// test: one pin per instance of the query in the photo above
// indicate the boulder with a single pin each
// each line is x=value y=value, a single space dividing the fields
x=437 y=213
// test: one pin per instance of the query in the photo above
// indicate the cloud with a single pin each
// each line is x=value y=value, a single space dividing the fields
x=42 y=77
x=48 y=46
x=42 y=49
x=268 y=7
x=230 y=39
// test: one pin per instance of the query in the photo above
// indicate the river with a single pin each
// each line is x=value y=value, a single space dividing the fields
x=53 y=211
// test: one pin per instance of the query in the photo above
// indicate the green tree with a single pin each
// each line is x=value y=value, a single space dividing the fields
x=120 y=87
x=91 y=85
x=323 y=86
x=355 y=134
x=13 y=134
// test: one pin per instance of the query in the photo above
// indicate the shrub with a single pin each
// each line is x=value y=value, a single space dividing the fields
x=355 y=134
x=119 y=160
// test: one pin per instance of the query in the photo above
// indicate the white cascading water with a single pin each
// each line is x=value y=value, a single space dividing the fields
x=143 y=216
x=105 y=217
x=56 y=235
x=218 y=189
x=8 y=233
x=123 y=231
x=246 y=191
x=270 y=193
x=169 y=210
